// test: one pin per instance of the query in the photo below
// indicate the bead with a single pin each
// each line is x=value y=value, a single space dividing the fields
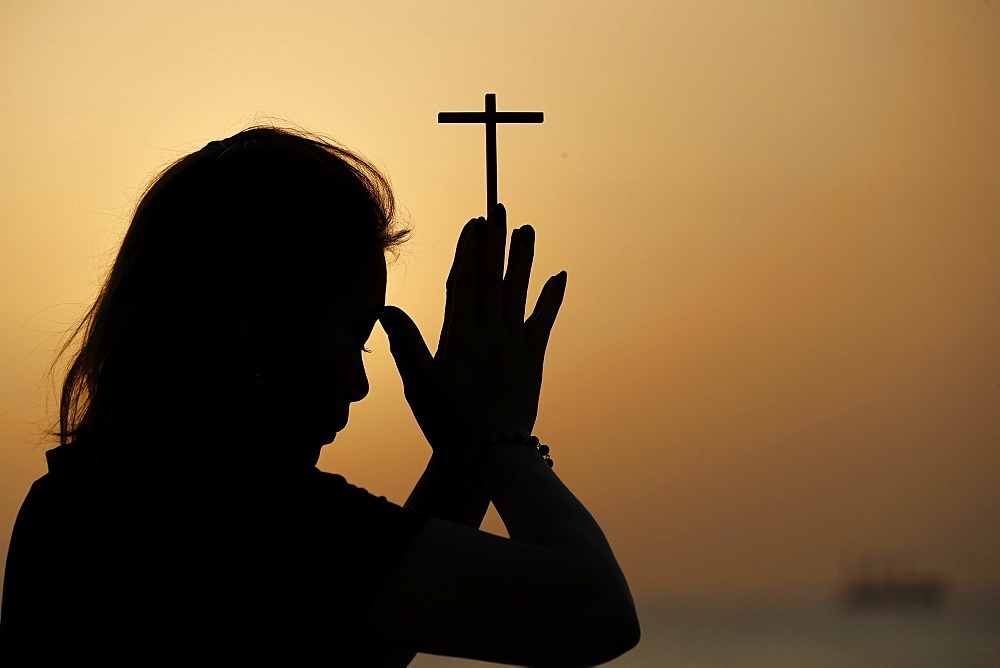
x=542 y=449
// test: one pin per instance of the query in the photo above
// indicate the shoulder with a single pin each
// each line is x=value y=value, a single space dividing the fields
x=344 y=515
x=48 y=568
x=332 y=492
x=55 y=501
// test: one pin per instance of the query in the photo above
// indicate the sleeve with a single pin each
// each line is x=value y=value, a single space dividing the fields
x=45 y=595
x=23 y=607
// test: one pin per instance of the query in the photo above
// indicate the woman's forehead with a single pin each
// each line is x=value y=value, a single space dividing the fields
x=368 y=289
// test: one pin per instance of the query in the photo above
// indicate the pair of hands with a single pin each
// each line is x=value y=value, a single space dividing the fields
x=486 y=375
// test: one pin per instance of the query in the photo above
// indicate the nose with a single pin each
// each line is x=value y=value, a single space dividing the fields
x=360 y=389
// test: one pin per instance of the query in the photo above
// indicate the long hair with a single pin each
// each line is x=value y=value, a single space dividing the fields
x=269 y=211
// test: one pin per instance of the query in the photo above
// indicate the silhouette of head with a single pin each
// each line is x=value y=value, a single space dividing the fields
x=250 y=276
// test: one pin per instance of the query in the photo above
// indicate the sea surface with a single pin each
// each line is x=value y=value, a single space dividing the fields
x=962 y=632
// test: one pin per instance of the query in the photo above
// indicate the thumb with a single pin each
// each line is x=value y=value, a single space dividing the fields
x=413 y=360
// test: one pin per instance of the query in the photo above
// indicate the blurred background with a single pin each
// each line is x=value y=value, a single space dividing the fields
x=775 y=380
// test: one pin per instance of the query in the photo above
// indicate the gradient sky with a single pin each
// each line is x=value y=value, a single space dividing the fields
x=780 y=347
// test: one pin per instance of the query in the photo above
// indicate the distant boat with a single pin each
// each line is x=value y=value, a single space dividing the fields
x=886 y=589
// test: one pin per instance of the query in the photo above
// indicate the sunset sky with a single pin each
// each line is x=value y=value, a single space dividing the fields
x=780 y=346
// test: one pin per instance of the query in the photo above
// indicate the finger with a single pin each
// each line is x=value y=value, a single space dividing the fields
x=490 y=308
x=413 y=359
x=464 y=291
x=416 y=368
x=515 y=282
x=451 y=298
x=539 y=324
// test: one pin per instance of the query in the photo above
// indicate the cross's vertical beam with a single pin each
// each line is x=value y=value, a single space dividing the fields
x=491 y=151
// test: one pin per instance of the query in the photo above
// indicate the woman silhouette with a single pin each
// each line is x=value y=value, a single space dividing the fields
x=183 y=516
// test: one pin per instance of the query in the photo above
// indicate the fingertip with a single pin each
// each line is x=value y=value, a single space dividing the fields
x=388 y=317
x=467 y=229
x=497 y=217
x=525 y=236
x=558 y=280
x=395 y=316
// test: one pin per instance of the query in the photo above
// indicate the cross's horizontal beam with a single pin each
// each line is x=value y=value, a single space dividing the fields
x=496 y=117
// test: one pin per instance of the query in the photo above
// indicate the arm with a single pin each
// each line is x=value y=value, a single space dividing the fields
x=446 y=491
x=553 y=594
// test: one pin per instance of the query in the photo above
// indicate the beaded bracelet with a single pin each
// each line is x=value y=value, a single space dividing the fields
x=516 y=438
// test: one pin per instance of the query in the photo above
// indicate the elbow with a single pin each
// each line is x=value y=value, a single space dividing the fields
x=614 y=611
x=631 y=633
x=606 y=627
x=628 y=634
x=596 y=614
x=619 y=632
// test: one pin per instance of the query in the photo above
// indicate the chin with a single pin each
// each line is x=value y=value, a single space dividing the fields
x=326 y=432
x=331 y=427
x=324 y=426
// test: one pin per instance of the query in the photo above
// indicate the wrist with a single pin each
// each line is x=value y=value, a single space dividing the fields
x=497 y=432
x=512 y=440
x=469 y=454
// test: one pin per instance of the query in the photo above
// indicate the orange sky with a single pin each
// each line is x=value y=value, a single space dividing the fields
x=780 y=348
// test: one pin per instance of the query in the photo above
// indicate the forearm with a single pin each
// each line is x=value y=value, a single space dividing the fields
x=535 y=505
x=538 y=508
x=446 y=491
